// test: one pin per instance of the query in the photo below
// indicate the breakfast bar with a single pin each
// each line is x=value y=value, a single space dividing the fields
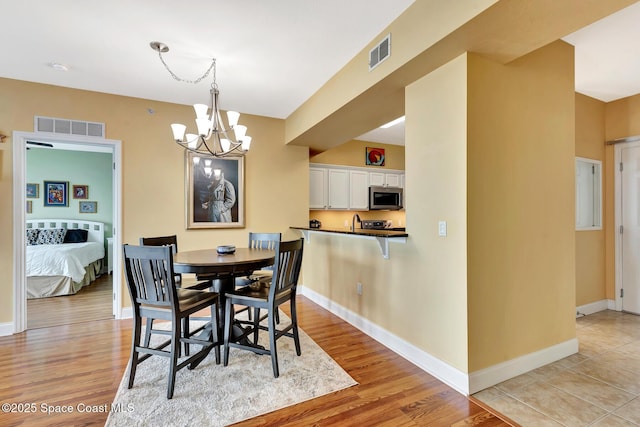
x=383 y=237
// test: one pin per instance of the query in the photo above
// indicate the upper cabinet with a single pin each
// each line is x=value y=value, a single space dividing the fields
x=346 y=188
x=318 y=188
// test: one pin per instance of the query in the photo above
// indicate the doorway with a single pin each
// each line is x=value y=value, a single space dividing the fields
x=627 y=206
x=21 y=140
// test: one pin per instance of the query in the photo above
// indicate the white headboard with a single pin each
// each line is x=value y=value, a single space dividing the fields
x=95 y=229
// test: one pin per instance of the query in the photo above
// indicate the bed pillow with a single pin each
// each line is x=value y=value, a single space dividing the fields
x=51 y=236
x=32 y=236
x=76 y=235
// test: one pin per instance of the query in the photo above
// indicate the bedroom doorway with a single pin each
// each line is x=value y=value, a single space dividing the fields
x=104 y=300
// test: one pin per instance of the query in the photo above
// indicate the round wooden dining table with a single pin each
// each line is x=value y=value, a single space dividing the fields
x=222 y=269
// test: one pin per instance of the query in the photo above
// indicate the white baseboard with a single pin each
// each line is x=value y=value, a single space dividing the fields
x=595 y=307
x=126 y=313
x=462 y=382
x=479 y=380
x=6 y=329
x=446 y=373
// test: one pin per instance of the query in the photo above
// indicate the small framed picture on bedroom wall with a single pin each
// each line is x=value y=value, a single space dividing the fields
x=88 y=207
x=80 y=191
x=56 y=193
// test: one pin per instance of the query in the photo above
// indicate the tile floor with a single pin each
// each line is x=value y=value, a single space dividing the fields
x=599 y=386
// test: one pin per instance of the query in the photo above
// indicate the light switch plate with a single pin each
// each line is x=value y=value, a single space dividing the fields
x=442 y=228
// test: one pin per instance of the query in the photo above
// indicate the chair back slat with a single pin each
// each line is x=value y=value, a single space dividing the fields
x=264 y=240
x=287 y=267
x=149 y=274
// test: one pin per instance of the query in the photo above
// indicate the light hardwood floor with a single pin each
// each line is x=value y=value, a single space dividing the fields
x=84 y=363
x=92 y=302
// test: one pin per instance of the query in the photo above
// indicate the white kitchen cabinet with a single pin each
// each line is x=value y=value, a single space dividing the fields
x=318 y=188
x=338 y=191
x=376 y=178
x=346 y=187
x=392 y=180
x=386 y=179
x=358 y=190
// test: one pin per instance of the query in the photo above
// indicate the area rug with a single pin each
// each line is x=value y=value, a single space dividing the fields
x=215 y=395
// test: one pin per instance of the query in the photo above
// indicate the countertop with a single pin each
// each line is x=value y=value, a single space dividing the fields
x=357 y=232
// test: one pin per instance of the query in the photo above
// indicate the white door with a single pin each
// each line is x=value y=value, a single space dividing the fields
x=338 y=194
x=630 y=221
x=317 y=188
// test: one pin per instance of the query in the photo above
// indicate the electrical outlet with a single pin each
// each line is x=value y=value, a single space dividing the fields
x=442 y=228
x=359 y=288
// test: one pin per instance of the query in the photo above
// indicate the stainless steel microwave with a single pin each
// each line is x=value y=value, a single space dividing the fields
x=385 y=198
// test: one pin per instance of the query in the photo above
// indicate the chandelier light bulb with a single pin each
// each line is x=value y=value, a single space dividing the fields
x=178 y=131
x=246 y=143
x=233 y=117
x=201 y=111
x=240 y=131
x=225 y=144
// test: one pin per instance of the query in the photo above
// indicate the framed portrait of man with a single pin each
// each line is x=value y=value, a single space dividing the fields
x=214 y=191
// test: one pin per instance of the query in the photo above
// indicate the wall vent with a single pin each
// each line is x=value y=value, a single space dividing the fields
x=68 y=127
x=380 y=52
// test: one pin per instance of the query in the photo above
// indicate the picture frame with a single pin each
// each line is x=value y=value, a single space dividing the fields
x=80 y=191
x=88 y=207
x=214 y=202
x=33 y=190
x=29 y=206
x=56 y=193
x=374 y=156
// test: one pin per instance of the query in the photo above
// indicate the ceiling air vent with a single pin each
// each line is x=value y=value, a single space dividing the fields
x=68 y=127
x=380 y=52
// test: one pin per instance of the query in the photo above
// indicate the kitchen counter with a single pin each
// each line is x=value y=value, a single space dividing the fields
x=382 y=236
x=358 y=231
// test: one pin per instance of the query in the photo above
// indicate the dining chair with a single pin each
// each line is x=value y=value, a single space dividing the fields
x=154 y=295
x=171 y=241
x=268 y=296
x=259 y=241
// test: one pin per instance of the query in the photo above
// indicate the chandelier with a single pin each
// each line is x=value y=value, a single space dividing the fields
x=212 y=138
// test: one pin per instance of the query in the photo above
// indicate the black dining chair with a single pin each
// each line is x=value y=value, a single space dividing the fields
x=171 y=241
x=154 y=295
x=268 y=296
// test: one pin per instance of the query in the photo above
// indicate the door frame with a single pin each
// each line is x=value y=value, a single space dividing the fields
x=617 y=150
x=19 y=216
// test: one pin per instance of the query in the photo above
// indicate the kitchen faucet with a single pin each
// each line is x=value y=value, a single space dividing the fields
x=353 y=221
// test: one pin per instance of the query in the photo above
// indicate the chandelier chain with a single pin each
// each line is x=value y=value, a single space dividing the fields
x=196 y=81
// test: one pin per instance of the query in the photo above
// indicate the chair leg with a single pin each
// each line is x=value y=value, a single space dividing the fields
x=294 y=329
x=256 y=323
x=228 y=323
x=135 y=341
x=272 y=342
x=176 y=333
x=185 y=332
x=215 y=331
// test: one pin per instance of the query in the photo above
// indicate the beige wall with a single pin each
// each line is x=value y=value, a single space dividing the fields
x=590 y=244
x=521 y=238
x=153 y=169
x=352 y=153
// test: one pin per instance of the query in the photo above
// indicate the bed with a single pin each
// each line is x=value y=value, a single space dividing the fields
x=62 y=256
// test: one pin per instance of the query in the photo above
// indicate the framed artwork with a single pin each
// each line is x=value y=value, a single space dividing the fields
x=88 y=207
x=214 y=191
x=374 y=156
x=29 y=206
x=80 y=191
x=33 y=191
x=56 y=193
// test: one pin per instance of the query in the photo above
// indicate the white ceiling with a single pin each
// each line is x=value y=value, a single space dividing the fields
x=271 y=55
